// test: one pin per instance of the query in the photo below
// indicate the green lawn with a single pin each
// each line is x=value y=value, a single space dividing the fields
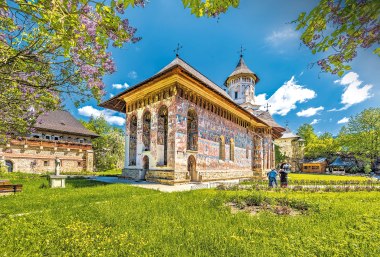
x=325 y=177
x=93 y=219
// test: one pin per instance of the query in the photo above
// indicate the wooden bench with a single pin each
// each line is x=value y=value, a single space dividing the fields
x=7 y=187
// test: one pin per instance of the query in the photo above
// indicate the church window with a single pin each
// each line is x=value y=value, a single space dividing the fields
x=236 y=94
x=133 y=141
x=247 y=152
x=162 y=135
x=232 y=150
x=222 y=148
x=146 y=130
x=192 y=130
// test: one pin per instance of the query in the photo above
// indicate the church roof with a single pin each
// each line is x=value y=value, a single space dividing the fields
x=64 y=122
x=116 y=103
x=178 y=61
x=289 y=134
x=242 y=68
x=265 y=115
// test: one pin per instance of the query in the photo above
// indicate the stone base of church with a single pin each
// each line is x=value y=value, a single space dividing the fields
x=169 y=176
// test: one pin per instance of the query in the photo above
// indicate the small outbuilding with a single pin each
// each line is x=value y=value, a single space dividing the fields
x=318 y=165
x=341 y=165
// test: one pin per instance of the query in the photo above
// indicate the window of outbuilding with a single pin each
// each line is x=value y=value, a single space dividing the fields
x=46 y=163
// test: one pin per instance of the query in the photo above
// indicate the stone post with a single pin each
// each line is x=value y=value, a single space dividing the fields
x=90 y=160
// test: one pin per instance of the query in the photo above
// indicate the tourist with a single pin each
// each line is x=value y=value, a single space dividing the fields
x=283 y=178
x=272 y=175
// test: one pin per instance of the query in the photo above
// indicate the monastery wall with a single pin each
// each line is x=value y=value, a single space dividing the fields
x=34 y=156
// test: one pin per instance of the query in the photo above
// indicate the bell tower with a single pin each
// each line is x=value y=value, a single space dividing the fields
x=241 y=85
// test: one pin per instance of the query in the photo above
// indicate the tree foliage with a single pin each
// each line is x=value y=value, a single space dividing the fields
x=51 y=50
x=209 y=8
x=323 y=146
x=109 y=147
x=361 y=135
x=55 y=49
x=340 y=27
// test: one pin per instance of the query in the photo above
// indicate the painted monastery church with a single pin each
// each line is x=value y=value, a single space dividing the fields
x=181 y=127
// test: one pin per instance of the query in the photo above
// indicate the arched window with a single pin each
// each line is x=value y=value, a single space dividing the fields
x=247 y=152
x=232 y=150
x=9 y=165
x=222 y=148
x=192 y=130
x=133 y=141
x=146 y=130
x=162 y=136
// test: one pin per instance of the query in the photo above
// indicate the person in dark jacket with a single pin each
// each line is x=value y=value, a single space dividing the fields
x=283 y=178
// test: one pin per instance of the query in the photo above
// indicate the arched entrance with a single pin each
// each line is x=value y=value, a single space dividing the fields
x=9 y=165
x=192 y=168
x=145 y=166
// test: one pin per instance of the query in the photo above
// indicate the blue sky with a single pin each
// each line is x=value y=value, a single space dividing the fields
x=273 y=52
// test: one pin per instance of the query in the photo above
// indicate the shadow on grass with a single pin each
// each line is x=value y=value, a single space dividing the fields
x=78 y=183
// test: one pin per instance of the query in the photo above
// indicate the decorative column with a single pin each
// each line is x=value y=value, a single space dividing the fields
x=126 y=147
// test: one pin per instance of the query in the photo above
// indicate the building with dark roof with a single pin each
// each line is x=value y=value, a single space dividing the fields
x=56 y=134
x=182 y=127
x=292 y=147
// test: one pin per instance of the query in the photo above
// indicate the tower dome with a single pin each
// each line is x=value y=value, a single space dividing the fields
x=241 y=85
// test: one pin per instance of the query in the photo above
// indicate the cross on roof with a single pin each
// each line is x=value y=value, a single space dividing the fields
x=176 y=51
x=267 y=106
x=242 y=50
x=286 y=123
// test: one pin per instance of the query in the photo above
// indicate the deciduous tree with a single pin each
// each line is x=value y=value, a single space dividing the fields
x=109 y=147
x=56 y=49
x=340 y=28
x=361 y=135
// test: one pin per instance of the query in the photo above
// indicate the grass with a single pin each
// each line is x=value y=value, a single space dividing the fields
x=96 y=219
x=325 y=177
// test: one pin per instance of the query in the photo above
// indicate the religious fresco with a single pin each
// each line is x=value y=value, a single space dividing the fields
x=133 y=141
x=192 y=130
x=146 y=130
x=162 y=131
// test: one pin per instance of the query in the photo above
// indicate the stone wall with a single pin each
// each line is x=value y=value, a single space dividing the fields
x=28 y=156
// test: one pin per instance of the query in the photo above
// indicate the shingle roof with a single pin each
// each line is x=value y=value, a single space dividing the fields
x=62 y=121
x=265 y=115
x=117 y=104
x=341 y=163
x=289 y=134
x=242 y=68
x=195 y=73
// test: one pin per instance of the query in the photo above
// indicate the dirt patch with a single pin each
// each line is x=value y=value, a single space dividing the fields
x=254 y=205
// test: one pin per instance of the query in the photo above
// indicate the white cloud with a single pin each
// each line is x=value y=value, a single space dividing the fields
x=279 y=37
x=344 y=120
x=120 y=86
x=108 y=115
x=310 y=112
x=315 y=121
x=285 y=98
x=132 y=74
x=353 y=92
